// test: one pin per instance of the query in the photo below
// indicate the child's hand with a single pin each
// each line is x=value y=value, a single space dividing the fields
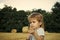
x=31 y=30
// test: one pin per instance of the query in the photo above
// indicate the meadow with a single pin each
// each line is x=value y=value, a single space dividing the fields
x=22 y=36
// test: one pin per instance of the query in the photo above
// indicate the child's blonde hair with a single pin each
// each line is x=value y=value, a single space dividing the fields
x=37 y=16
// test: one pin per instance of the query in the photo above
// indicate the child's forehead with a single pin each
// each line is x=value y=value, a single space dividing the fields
x=32 y=19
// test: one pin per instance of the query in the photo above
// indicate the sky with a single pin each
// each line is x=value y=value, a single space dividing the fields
x=29 y=4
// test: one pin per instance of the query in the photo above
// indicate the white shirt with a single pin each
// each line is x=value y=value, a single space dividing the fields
x=40 y=31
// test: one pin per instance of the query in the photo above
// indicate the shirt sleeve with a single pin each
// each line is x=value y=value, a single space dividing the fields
x=40 y=31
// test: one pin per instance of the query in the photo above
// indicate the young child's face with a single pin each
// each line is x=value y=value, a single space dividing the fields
x=34 y=23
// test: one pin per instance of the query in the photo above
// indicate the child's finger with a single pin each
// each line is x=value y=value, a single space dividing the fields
x=31 y=31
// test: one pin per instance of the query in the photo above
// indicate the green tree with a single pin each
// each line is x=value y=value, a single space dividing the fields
x=10 y=18
x=56 y=17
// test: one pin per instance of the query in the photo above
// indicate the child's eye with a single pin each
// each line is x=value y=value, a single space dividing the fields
x=33 y=21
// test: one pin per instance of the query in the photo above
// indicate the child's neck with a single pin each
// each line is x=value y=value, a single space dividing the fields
x=38 y=27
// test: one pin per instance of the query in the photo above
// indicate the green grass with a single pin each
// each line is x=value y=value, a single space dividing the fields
x=22 y=36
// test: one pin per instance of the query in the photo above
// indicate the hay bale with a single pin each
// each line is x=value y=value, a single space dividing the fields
x=25 y=29
x=14 y=30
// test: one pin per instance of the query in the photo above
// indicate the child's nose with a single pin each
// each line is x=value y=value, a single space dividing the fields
x=31 y=23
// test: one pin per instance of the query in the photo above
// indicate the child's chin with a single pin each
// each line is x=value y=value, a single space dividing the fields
x=34 y=28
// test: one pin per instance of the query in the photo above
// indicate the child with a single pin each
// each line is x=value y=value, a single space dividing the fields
x=36 y=31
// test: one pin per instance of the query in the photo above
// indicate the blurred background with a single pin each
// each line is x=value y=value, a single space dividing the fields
x=14 y=13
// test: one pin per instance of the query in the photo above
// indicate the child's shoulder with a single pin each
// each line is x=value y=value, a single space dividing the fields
x=40 y=31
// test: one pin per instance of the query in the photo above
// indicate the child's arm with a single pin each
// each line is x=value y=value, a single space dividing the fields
x=41 y=37
x=28 y=37
x=30 y=31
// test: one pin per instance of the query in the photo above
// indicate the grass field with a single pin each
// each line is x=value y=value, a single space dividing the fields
x=22 y=36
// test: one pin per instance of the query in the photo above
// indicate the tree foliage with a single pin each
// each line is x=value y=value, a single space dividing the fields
x=10 y=18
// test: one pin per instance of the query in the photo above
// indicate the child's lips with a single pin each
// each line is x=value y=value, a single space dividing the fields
x=33 y=27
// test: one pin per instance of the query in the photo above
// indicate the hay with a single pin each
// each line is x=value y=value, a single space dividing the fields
x=13 y=30
x=25 y=29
